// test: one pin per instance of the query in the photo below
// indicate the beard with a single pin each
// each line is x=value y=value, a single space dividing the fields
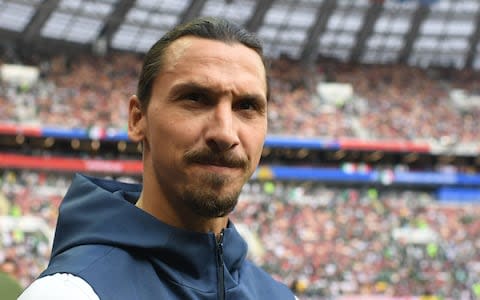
x=208 y=195
x=204 y=200
x=204 y=195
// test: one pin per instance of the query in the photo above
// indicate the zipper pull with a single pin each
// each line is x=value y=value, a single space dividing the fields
x=220 y=243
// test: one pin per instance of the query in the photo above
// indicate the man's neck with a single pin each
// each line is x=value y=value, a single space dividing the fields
x=182 y=217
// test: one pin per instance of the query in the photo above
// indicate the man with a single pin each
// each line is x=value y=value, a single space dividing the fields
x=201 y=116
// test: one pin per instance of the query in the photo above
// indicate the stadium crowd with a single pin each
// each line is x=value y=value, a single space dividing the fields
x=322 y=241
x=85 y=91
x=403 y=102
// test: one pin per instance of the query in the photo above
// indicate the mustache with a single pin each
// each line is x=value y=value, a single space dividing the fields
x=208 y=157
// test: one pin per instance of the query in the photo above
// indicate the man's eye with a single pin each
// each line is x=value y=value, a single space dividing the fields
x=251 y=105
x=247 y=105
x=196 y=97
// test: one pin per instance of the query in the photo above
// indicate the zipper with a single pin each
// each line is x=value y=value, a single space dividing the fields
x=220 y=271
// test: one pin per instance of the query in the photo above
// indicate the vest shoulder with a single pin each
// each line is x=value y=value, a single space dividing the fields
x=80 y=259
x=110 y=271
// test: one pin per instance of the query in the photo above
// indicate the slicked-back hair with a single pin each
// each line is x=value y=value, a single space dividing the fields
x=205 y=27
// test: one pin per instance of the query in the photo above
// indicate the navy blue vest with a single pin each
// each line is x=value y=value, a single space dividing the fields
x=125 y=253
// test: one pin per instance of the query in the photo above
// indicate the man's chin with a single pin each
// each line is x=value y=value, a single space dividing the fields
x=210 y=203
x=218 y=182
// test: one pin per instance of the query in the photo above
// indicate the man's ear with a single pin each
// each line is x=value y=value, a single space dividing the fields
x=136 y=120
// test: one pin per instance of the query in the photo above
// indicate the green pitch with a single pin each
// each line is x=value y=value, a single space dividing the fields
x=9 y=287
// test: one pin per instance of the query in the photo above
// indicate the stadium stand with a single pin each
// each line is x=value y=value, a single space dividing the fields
x=369 y=184
x=322 y=241
x=85 y=91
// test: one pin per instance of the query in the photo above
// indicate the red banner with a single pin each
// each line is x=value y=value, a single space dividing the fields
x=70 y=164
x=388 y=146
x=17 y=129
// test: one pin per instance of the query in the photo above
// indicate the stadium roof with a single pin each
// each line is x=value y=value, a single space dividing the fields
x=417 y=32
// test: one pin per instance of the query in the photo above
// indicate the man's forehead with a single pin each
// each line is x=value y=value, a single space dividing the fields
x=196 y=47
x=186 y=52
x=177 y=49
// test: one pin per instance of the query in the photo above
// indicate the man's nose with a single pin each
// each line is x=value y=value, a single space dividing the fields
x=221 y=134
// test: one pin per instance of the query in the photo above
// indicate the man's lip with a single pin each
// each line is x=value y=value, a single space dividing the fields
x=224 y=164
x=215 y=166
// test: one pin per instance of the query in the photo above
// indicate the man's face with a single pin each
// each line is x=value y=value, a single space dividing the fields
x=205 y=125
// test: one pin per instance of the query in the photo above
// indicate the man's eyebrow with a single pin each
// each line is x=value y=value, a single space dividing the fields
x=193 y=86
x=253 y=97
